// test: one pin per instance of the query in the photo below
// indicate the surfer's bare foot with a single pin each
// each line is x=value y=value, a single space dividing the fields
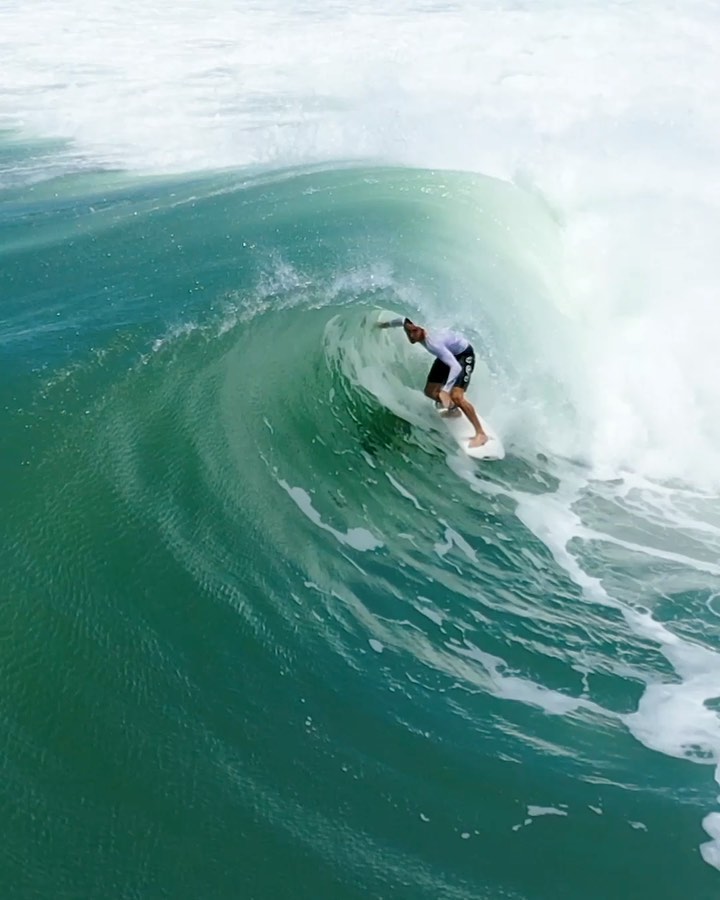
x=478 y=440
x=451 y=413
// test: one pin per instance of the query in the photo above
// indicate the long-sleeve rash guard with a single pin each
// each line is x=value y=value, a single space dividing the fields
x=444 y=344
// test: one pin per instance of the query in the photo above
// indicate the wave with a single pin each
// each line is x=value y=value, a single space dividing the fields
x=237 y=543
x=215 y=418
x=618 y=389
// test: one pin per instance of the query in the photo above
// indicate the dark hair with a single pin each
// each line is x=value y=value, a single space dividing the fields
x=407 y=321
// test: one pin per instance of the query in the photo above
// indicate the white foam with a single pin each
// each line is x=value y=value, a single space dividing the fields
x=513 y=687
x=672 y=717
x=534 y=811
x=454 y=539
x=711 y=849
x=404 y=492
x=218 y=85
x=357 y=538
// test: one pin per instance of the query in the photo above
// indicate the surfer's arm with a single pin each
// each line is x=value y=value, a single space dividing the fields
x=397 y=322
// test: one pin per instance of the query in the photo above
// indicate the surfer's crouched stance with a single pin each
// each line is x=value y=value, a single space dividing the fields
x=449 y=375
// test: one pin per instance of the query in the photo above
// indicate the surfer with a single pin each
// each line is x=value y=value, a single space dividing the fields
x=449 y=374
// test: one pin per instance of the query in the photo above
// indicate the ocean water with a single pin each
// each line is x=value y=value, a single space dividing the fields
x=266 y=632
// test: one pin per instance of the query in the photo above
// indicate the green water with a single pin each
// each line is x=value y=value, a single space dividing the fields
x=265 y=632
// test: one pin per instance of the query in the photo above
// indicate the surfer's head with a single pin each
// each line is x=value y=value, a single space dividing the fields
x=414 y=332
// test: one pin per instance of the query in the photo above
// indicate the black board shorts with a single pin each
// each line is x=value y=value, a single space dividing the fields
x=439 y=370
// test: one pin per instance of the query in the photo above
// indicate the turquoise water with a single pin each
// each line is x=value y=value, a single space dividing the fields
x=266 y=632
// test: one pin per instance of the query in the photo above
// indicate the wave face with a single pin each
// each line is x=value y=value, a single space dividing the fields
x=267 y=633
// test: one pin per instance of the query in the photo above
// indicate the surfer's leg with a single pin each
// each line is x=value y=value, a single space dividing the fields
x=457 y=395
x=437 y=376
x=432 y=390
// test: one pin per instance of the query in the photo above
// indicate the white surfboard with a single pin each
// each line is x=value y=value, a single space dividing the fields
x=461 y=429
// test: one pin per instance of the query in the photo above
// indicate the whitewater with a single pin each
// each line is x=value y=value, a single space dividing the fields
x=267 y=631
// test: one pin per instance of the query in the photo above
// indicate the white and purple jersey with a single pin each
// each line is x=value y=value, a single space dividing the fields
x=445 y=345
